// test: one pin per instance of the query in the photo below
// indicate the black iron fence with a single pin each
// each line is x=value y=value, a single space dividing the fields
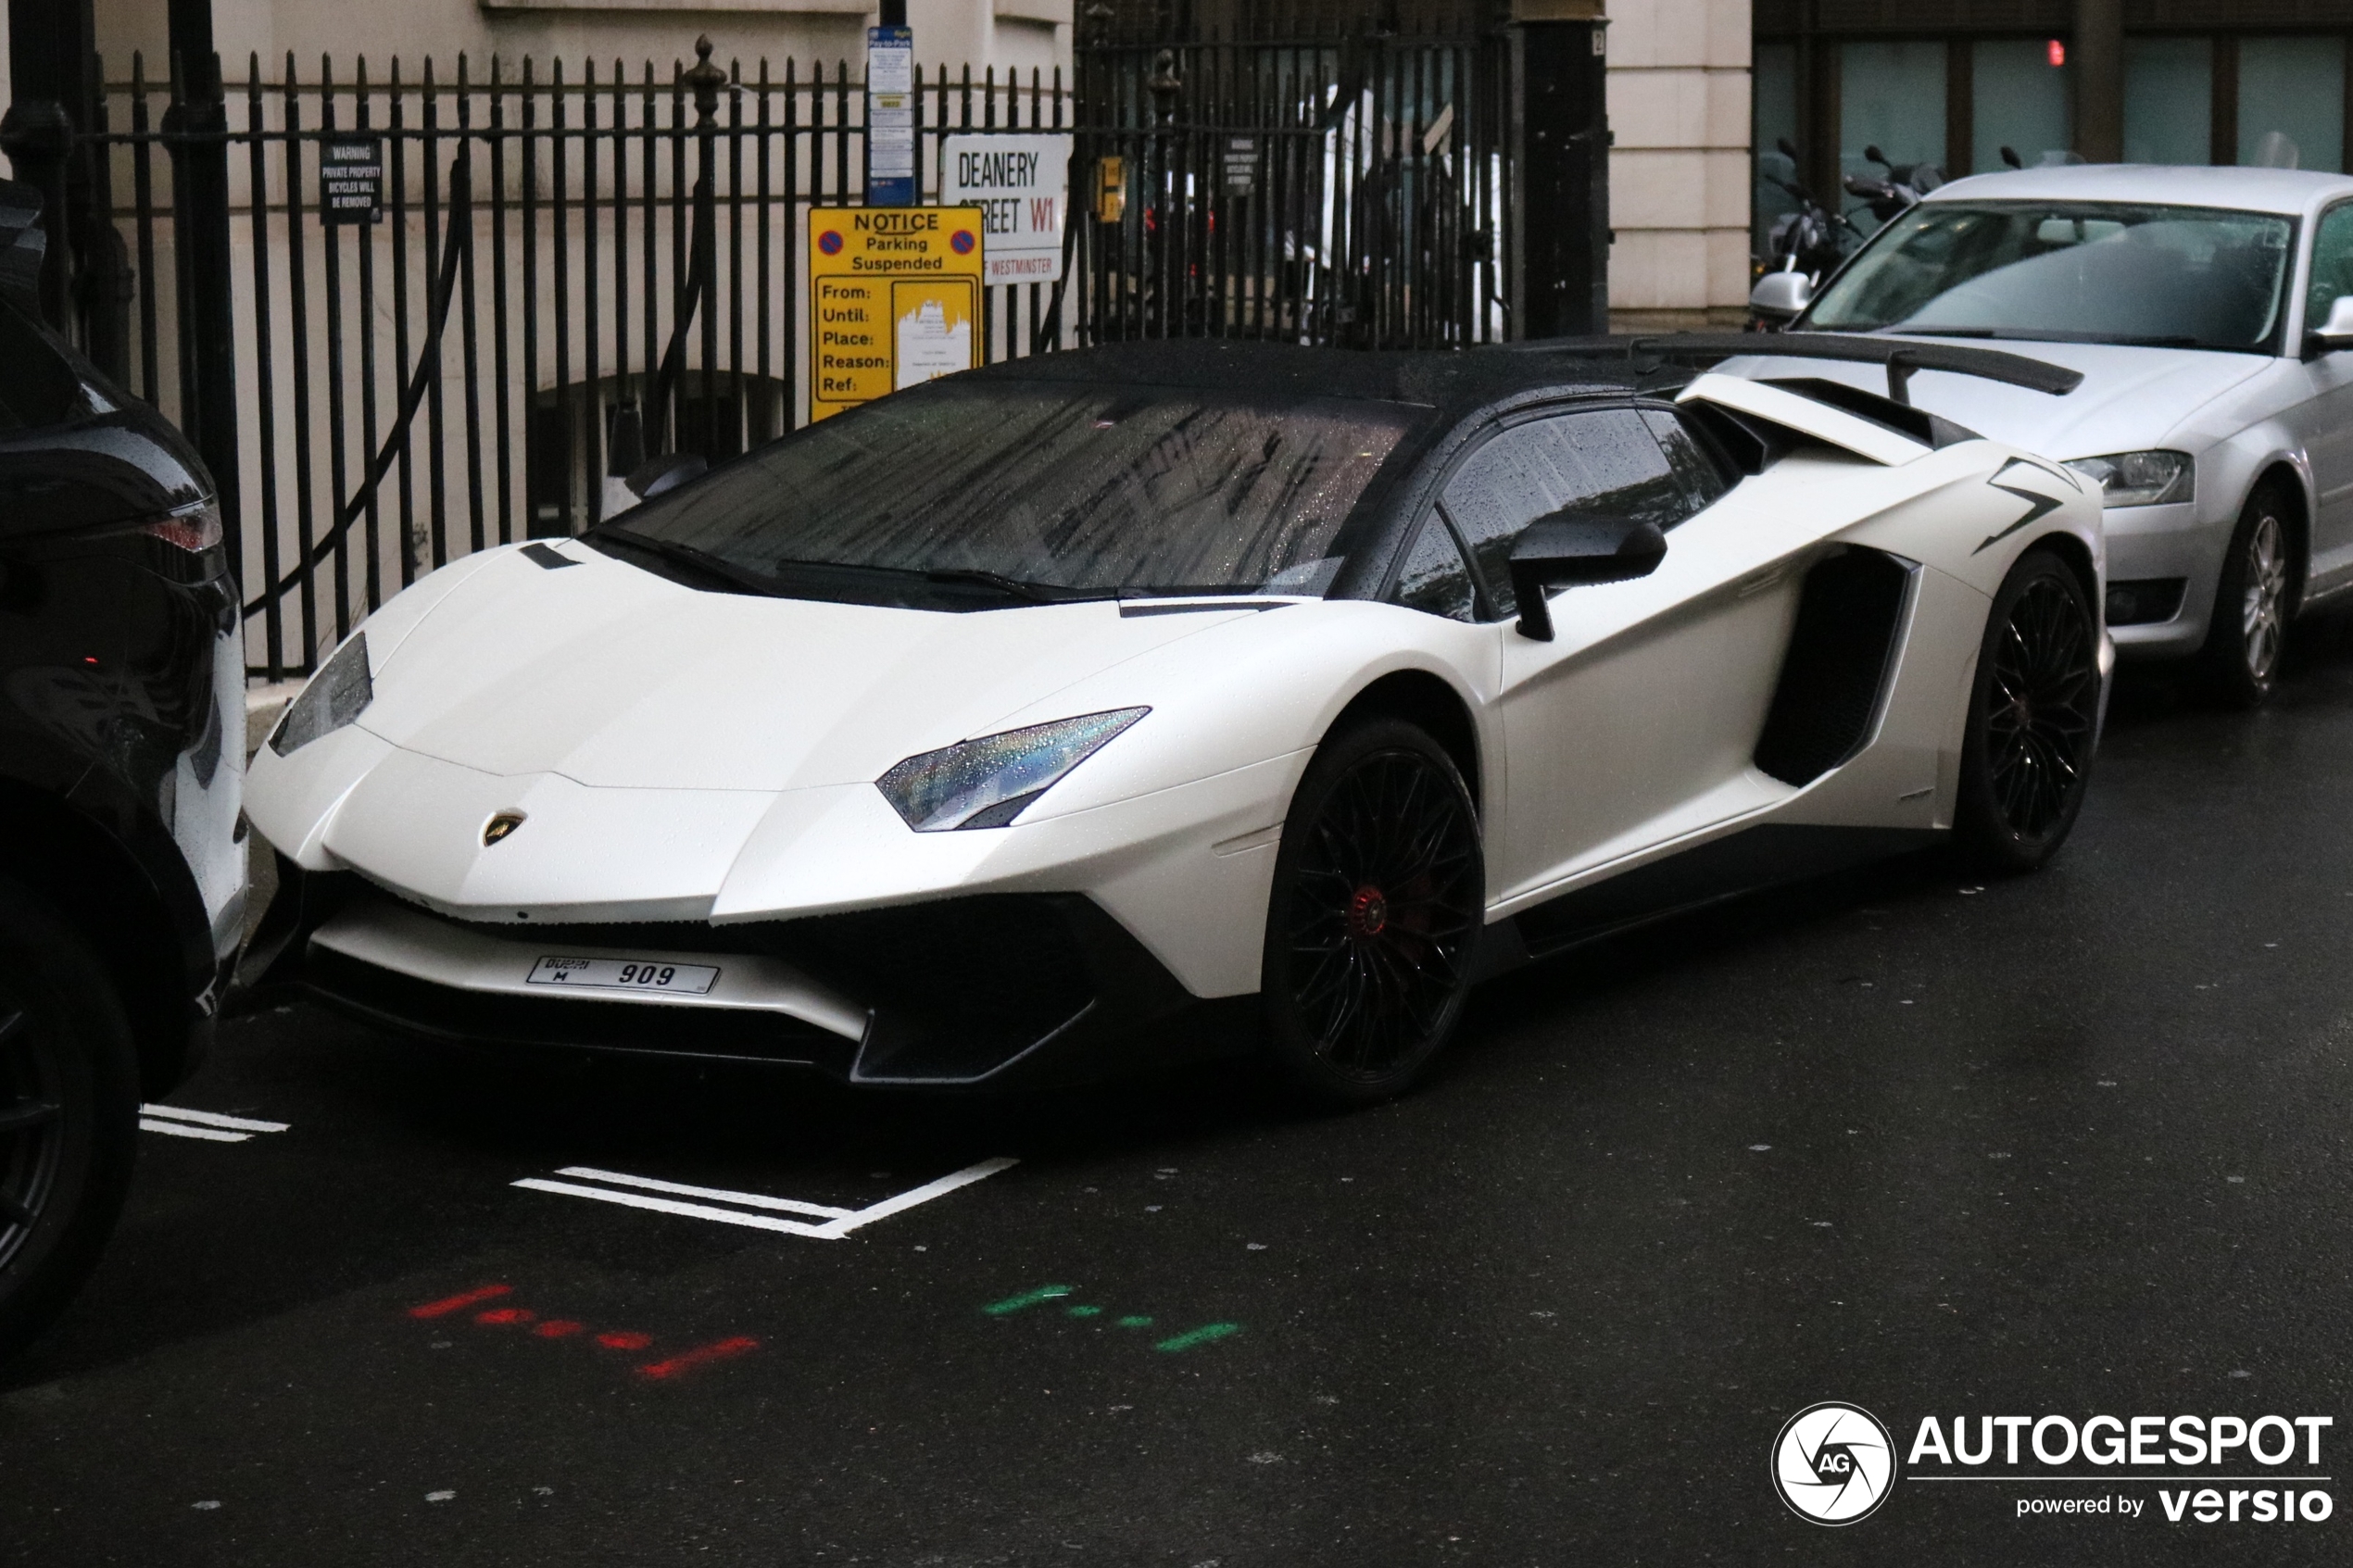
x=1345 y=190
x=411 y=312
x=561 y=260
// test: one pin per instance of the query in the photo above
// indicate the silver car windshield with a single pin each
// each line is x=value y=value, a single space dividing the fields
x=2068 y=271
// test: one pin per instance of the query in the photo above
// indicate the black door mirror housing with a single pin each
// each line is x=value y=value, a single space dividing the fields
x=1576 y=546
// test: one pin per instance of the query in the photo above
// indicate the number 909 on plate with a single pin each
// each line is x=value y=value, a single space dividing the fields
x=624 y=974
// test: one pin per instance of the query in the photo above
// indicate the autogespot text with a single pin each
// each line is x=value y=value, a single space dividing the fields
x=2202 y=1469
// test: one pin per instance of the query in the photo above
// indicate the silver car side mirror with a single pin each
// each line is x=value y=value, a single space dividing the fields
x=1780 y=296
x=2338 y=331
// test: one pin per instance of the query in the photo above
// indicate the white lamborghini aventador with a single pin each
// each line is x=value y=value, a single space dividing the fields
x=1170 y=699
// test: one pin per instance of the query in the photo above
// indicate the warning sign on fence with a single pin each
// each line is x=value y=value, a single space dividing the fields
x=351 y=180
x=894 y=300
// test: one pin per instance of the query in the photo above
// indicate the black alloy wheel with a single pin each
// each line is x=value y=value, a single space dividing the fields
x=69 y=1113
x=1378 y=898
x=2034 y=718
x=2254 y=601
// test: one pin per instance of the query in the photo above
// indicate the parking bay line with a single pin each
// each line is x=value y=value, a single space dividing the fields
x=204 y=1123
x=840 y=1223
x=208 y=1120
x=680 y=1189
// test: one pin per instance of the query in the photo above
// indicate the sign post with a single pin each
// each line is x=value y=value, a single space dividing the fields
x=1022 y=184
x=890 y=115
x=894 y=300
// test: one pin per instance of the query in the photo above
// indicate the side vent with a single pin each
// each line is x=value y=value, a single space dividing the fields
x=1840 y=653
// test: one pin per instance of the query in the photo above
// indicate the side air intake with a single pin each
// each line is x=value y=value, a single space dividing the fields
x=1840 y=654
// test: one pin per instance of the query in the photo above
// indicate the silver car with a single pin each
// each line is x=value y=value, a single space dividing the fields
x=2211 y=313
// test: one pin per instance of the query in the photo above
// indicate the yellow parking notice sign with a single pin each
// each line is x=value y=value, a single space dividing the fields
x=894 y=300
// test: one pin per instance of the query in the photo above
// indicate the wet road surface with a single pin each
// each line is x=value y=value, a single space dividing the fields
x=2073 y=1144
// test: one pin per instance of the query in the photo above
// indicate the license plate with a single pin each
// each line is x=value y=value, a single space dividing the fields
x=624 y=974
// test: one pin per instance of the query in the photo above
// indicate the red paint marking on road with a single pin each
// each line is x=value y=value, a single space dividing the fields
x=557 y=1328
x=686 y=1360
x=499 y=1315
x=624 y=1339
x=448 y=1304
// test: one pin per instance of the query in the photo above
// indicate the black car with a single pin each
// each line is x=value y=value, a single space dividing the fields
x=121 y=777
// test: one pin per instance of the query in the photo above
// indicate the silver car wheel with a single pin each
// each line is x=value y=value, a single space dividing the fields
x=2262 y=615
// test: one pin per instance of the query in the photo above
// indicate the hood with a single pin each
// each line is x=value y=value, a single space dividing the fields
x=612 y=677
x=2132 y=398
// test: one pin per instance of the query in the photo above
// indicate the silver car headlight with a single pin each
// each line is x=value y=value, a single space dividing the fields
x=985 y=783
x=2140 y=479
x=336 y=695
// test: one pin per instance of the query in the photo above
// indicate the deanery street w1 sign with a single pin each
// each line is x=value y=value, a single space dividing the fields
x=1021 y=184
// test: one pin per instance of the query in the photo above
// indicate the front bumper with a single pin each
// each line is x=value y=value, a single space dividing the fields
x=991 y=991
x=2156 y=542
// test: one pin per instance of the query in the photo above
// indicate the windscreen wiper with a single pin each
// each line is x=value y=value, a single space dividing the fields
x=690 y=556
x=1035 y=593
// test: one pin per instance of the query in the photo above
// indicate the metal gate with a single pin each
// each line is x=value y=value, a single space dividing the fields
x=1338 y=190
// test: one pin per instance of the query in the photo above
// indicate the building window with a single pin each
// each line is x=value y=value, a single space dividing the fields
x=1773 y=108
x=2292 y=88
x=2169 y=100
x=2020 y=99
x=1891 y=96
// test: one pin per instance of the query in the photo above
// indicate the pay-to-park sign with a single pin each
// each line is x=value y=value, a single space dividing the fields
x=894 y=300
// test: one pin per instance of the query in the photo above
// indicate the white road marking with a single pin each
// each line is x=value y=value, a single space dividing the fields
x=671 y=1206
x=148 y=1125
x=748 y=1199
x=213 y=1118
x=838 y=1221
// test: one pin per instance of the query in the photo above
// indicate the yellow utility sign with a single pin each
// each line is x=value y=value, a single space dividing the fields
x=894 y=300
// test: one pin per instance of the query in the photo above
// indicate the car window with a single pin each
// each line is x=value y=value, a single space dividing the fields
x=2069 y=271
x=1604 y=460
x=1702 y=477
x=2332 y=265
x=38 y=385
x=1071 y=487
x=1435 y=579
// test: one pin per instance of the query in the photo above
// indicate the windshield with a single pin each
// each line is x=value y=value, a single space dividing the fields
x=2068 y=271
x=1065 y=490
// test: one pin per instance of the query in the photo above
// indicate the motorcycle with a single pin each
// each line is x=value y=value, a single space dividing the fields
x=1804 y=247
x=1903 y=188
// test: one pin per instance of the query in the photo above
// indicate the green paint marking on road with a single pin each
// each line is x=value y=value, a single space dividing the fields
x=1027 y=1299
x=1135 y=1323
x=1086 y=1311
x=1201 y=1336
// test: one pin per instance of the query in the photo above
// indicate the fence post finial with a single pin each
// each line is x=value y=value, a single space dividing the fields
x=706 y=79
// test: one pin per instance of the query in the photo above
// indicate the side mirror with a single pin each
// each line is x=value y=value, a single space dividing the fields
x=666 y=472
x=1575 y=546
x=1780 y=296
x=2338 y=331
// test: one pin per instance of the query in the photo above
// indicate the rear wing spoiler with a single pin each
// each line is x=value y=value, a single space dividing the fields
x=1902 y=359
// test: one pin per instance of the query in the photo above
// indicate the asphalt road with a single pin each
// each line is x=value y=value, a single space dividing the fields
x=2070 y=1144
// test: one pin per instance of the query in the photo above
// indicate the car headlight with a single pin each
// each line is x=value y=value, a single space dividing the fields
x=2140 y=479
x=337 y=694
x=985 y=783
